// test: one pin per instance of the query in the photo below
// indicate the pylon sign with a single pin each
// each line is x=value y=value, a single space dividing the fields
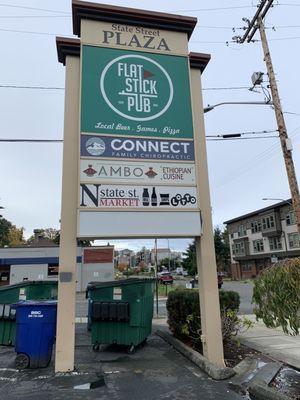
x=136 y=118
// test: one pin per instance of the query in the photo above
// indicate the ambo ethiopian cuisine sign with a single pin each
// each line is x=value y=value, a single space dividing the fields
x=92 y=170
x=133 y=93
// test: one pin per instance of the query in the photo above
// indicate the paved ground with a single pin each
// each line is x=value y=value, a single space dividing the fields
x=273 y=342
x=156 y=371
x=244 y=289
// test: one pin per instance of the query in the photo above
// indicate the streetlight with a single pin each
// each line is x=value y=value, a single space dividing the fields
x=258 y=103
x=271 y=198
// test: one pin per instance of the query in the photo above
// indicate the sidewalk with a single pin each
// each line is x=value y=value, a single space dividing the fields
x=272 y=342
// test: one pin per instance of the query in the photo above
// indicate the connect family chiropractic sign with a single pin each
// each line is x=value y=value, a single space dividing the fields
x=136 y=148
x=130 y=93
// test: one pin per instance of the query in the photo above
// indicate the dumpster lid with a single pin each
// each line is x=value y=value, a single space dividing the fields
x=26 y=303
x=121 y=282
x=27 y=283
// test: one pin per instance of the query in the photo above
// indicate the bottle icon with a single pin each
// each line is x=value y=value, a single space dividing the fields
x=145 y=197
x=153 y=198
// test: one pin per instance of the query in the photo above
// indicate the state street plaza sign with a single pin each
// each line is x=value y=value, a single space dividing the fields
x=136 y=130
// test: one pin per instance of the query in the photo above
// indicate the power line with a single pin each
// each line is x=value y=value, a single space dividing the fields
x=32 y=87
x=32 y=140
x=33 y=8
x=34 y=33
x=192 y=41
x=214 y=27
x=240 y=138
x=227 y=88
x=289 y=4
x=214 y=9
x=244 y=133
x=34 y=16
x=62 y=88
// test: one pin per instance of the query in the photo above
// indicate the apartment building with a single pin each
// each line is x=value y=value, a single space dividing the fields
x=261 y=238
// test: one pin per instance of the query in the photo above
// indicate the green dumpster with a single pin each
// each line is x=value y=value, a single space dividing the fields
x=27 y=290
x=121 y=311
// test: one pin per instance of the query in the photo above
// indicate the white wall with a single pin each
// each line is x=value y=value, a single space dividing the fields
x=37 y=272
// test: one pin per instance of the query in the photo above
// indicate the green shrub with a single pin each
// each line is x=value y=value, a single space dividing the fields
x=276 y=295
x=184 y=312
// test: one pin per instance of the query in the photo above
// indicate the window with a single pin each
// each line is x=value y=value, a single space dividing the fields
x=268 y=222
x=258 y=245
x=293 y=240
x=247 y=268
x=275 y=243
x=52 y=269
x=231 y=235
x=256 y=226
x=290 y=218
x=238 y=248
x=242 y=231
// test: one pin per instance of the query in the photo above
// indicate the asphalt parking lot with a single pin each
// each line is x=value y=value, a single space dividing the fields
x=156 y=371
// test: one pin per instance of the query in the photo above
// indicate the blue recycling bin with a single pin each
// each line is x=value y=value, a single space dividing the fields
x=35 y=333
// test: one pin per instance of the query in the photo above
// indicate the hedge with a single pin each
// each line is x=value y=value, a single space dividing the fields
x=183 y=304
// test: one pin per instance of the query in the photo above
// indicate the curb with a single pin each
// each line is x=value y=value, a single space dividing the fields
x=259 y=387
x=261 y=391
x=211 y=369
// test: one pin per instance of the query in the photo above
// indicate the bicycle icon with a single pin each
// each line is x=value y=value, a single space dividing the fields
x=183 y=200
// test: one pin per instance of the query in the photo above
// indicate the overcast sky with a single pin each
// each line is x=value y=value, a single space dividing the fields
x=241 y=172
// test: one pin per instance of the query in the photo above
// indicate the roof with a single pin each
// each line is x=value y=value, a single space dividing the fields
x=130 y=16
x=67 y=47
x=71 y=47
x=260 y=211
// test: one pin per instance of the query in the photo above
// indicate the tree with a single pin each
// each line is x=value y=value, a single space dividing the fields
x=54 y=235
x=189 y=261
x=80 y=242
x=222 y=249
x=10 y=235
x=165 y=262
x=276 y=295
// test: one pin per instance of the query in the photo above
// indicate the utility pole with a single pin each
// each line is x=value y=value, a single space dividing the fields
x=254 y=25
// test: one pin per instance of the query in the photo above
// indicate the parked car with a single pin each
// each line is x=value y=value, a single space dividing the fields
x=166 y=278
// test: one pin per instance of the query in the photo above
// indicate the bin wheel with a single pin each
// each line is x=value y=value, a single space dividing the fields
x=22 y=361
x=96 y=347
x=131 y=349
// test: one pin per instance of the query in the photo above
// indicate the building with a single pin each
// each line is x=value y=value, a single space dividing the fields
x=125 y=257
x=41 y=263
x=261 y=238
x=161 y=255
x=143 y=257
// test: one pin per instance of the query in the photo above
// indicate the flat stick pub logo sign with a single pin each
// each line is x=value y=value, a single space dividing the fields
x=142 y=90
x=128 y=93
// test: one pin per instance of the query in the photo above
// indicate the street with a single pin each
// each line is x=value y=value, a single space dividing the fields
x=244 y=288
